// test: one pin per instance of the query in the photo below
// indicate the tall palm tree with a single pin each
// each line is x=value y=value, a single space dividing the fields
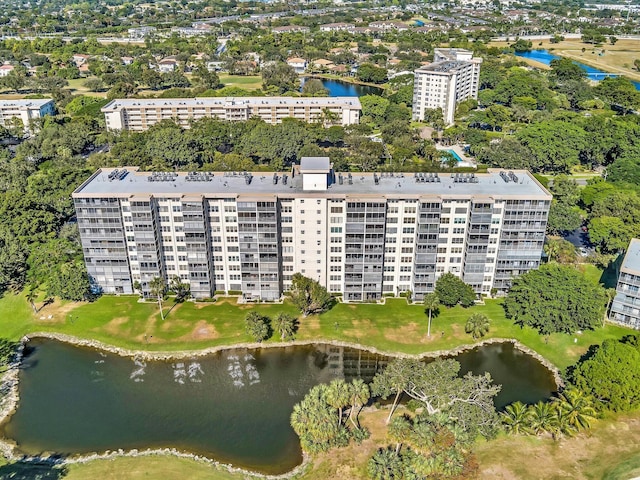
x=515 y=418
x=338 y=396
x=576 y=407
x=157 y=288
x=285 y=325
x=399 y=430
x=31 y=298
x=431 y=302
x=360 y=394
x=477 y=325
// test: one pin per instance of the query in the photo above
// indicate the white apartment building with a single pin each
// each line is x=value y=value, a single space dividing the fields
x=625 y=308
x=362 y=235
x=453 y=77
x=25 y=110
x=140 y=114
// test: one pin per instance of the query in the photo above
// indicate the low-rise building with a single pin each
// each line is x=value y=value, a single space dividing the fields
x=291 y=29
x=140 y=114
x=625 y=308
x=298 y=64
x=336 y=27
x=141 y=32
x=6 y=69
x=25 y=110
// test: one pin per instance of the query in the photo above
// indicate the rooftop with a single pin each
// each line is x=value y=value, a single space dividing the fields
x=315 y=164
x=632 y=258
x=30 y=103
x=118 y=104
x=496 y=183
x=444 y=67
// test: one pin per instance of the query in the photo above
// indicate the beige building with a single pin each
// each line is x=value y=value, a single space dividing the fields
x=140 y=114
x=453 y=77
x=25 y=110
x=362 y=235
x=625 y=308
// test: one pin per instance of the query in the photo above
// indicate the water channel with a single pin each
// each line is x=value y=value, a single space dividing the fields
x=232 y=406
x=545 y=57
x=338 y=88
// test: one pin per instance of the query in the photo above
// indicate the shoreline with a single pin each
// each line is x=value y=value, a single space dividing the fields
x=9 y=387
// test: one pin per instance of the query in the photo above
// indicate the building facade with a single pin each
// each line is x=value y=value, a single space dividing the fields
x=625 y=308
x=363 y=235
x=25 y=110
x=140 y=114
x=453 y=77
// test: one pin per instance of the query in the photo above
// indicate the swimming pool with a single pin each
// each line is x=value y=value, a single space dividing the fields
x=455 y=155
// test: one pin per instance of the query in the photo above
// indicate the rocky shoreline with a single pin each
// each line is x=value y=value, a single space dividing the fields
x=10 y=393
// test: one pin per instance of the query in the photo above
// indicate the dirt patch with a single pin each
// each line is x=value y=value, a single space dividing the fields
x=360 y=327
x=406 y=333
x=310 y=323
x=114 y=327
x=55 y=312
x=201 y=331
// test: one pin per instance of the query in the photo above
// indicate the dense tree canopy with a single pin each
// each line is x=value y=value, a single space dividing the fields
x=611 y=373
x=555 y=298
x=451 y=290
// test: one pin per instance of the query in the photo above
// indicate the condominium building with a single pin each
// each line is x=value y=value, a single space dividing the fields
x=25 y=110
x=140 y=114
x=625 y=308
x=453 y=77
x=363 y=235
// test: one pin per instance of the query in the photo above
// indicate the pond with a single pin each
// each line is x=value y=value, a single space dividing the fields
x=545 y=57
x=232 y=406
x=338 y=88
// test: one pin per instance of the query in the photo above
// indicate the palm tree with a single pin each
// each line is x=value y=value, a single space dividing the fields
x=431 y=302
x=338 y=396
x=399 y=430
x=576 y=407
x=360 y=394
x=384 y=465
x=477 y=325
x=285 y=325
x=157 y=288
x=31 y=298
x=542 y=418
x=515 y=418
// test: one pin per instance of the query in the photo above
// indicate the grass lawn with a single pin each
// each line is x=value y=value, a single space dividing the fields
x=247 y=82
x=394 y=327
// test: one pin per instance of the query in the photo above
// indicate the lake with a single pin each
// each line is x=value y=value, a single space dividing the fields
x=232 y=406
x=545 y=57
x=338 y=88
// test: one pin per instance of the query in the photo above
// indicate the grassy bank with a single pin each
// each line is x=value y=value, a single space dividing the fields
x=394 y=327
x=608 y=451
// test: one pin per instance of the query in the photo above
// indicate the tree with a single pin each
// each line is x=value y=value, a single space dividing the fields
x=560 y=250
x=157 y=288
x=308 y=295
x=576 y=407
x=338 y=396
x=94 y=85
x=451 y=290
x=314 y=421
x=565 y=69
x=257 y=326
x=636 y=63
x=359 y=393
x=467 y=401
x=367 y=72
x=285 y=325
x=181 y=290
x=385 y=464
x=562 y=218
x=431 y=302
x=205 y=78
x=31 y=298
x=281 y=76
x=610 y=374
x=313 y=87
x=477 y=325
x=435 y=118
x=515 y=418
x=542 y=418
x=555 y=298
x=522 y=45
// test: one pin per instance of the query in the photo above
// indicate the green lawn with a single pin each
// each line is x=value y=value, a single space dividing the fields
x=247 y=82
x=394 y=327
